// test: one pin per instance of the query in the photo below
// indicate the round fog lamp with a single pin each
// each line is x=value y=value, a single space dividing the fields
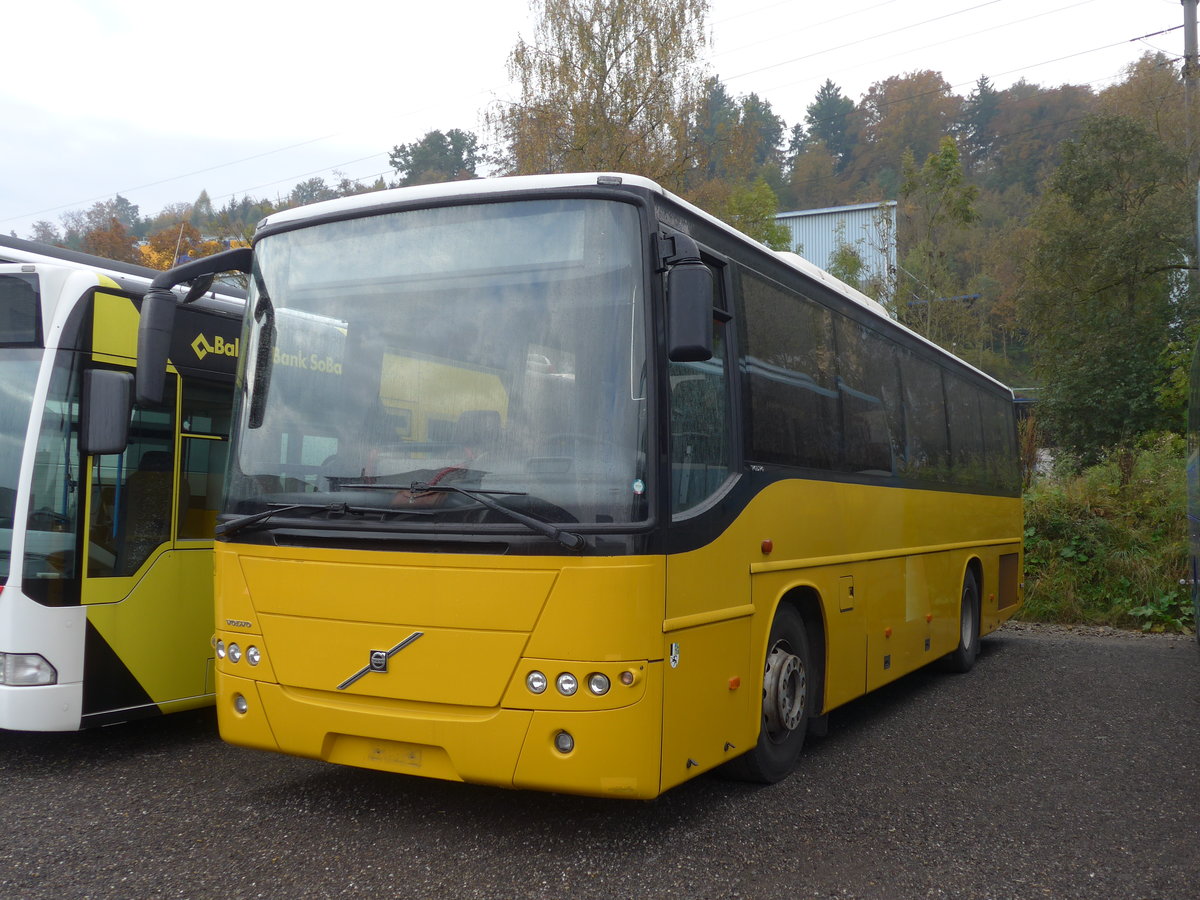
x=567 y=684
x=253 y=656
x=536 y=682
x=563 y=742
x=235 y=653
x=598 y=683
x=240 y=704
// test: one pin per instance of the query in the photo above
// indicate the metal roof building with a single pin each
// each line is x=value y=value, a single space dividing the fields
x=870 y=228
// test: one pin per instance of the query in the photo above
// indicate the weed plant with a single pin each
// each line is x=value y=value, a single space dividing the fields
x=1100 y=552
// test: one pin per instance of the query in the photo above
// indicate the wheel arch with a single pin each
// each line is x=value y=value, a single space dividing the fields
x=974 y=567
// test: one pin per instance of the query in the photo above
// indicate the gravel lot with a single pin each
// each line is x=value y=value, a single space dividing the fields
x=1067 y=764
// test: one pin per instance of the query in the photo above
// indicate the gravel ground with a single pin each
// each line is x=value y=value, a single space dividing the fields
x=1067 y=764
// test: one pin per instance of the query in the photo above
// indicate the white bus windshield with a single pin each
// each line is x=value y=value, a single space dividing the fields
x=497 y=347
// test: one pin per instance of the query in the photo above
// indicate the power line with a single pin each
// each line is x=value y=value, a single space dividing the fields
x=865 y=39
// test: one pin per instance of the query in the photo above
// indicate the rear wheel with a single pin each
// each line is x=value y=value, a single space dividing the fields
x=963 y=657
x=787 y=698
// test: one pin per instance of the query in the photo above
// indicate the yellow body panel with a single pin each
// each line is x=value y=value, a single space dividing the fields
x=886 y=567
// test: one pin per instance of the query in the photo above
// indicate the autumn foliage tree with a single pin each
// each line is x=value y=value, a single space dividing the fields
x=605 y=85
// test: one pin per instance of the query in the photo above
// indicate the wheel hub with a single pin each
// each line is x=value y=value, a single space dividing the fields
x=785 y=687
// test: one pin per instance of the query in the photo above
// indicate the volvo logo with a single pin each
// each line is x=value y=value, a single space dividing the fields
x=378 y=660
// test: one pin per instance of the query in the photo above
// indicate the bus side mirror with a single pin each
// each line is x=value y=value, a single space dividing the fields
x=689 y=312
x=154 y=345
x=104 y=418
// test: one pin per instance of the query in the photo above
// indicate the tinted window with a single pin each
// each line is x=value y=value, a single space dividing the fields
x=926 y=446
x=19 y=309
x=788 y=364
x=869 y=392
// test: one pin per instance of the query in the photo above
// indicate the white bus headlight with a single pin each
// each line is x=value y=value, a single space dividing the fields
x=536 y=682
x=567 y=684
x=598 y=683
x=26 y=669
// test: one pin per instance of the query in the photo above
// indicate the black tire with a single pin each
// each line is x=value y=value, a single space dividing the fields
x=789 y=691
x=963 y=657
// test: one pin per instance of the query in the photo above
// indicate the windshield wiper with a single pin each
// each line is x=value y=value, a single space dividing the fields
x=568 y=539
x=254 y=518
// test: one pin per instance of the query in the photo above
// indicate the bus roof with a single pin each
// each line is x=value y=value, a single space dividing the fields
x=128 y=275
x=380 y=201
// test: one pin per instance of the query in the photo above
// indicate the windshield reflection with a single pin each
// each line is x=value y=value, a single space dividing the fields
x=497 y=348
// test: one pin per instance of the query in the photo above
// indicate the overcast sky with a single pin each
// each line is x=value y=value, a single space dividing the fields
x=156 y=101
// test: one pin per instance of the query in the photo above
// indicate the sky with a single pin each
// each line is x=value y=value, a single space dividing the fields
x=158 y=101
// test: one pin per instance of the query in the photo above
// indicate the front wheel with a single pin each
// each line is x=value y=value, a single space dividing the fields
x=963 y=657
x=787 y=700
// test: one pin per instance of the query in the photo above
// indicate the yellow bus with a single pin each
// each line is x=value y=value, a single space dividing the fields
x=560 y=483
x=106 y=512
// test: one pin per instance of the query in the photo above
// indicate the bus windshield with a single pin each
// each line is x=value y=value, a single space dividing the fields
x=498 y=348
x=18 y=374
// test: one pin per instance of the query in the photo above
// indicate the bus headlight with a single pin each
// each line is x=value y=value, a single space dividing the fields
x=536 y=682
x=253 y=655
x=598 y=683
x=26 y=669
x=567 y=684
x=235 y=653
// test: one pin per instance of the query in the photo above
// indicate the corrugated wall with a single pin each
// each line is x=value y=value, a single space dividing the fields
x=870 y=228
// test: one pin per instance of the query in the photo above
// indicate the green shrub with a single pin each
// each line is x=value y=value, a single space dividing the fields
x=1101 y=553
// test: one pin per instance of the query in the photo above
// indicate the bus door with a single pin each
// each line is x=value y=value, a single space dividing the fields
x=707 y=715
x=149 y=604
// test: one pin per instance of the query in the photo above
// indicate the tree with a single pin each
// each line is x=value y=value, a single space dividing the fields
x=828 y=119
x=313 y=190
x=752 y=210
x=175 y=244
x=202 y=210
x=46 y=232
x=1108 y=290
x=605 y=85
x=436 y=157
x=936 y=203
x=111 y=242
x=912 y=112
x=978 y=123
x=1030 y=125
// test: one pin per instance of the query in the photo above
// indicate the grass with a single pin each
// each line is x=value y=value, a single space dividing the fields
x=1098 y=552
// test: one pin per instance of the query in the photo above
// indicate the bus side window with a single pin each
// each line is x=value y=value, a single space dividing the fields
x=133 y=498
x=700 y=428
x=204 y=447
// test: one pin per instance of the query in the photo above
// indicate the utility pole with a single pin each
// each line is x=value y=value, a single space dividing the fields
x=1190 y=65
x=1191 y=68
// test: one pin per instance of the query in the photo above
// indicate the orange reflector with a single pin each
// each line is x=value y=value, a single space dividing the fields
x=735 y=682
x=887 y=632
x=929 y=617
x=767 y=546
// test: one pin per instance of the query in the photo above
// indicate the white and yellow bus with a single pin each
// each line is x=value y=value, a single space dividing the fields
x=560 y=483
x=106 y=514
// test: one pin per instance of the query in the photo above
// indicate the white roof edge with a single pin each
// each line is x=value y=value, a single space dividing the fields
x=480 y=187
x=487 y=186
x=832 y=209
